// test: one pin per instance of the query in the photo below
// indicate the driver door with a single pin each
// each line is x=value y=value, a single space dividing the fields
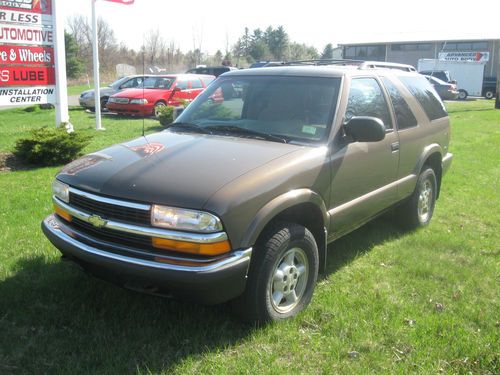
x=363 y=173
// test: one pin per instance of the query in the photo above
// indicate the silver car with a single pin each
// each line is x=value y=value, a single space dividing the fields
x=129 y=82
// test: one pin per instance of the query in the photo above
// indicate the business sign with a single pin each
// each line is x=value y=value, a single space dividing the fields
x=31 y=6
x=24 y=55
x=465 y=56
x=27 y=76
x=30 y=35
x=27 y=95
x=27 y=36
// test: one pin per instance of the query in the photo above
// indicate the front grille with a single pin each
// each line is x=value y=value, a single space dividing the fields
x=110 y=211
x=128 y=239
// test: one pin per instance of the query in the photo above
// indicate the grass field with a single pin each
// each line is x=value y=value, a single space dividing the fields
x=391 y=301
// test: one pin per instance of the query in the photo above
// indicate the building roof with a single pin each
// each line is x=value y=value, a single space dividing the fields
x=420 y=37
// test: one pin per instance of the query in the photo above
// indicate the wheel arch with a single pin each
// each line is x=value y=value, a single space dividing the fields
x=301 y=206
x=432 y=157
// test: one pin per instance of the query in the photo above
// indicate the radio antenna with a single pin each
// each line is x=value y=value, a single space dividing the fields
x=143 y=79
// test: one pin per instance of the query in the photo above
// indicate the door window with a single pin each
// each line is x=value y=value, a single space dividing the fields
x=366 y=99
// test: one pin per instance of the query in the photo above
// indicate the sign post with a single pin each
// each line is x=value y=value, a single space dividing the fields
x=62 y=114
x=95 y=51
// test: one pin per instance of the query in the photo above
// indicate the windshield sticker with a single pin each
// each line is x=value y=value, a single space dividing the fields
x=309 y=129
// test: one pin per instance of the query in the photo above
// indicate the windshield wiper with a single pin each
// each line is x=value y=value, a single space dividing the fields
x=232 y=129
x=189 y=127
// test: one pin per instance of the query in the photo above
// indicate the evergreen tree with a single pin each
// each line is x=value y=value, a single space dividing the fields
x=74 y=67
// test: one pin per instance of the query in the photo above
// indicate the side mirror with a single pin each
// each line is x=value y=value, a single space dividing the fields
x=177 y=89
x=365 y=129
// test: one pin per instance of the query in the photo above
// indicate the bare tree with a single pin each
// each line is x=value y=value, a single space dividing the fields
x=154 y=47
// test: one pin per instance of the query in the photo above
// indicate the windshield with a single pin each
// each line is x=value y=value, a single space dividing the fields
x=289 y=108
x=118 y=82
x=163 y=83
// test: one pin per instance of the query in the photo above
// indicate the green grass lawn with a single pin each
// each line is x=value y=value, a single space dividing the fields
x=391 y=301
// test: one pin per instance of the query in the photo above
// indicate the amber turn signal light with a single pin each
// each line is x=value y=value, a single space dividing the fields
x=215 y=248
x=62 y=213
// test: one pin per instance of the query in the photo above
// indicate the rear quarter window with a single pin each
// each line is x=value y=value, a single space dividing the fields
x=426 y=96
x=404 y=116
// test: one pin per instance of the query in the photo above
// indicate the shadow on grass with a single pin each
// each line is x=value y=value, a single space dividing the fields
x=346 y=249
x=55 y=319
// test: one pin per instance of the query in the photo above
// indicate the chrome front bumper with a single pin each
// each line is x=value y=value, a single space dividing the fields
x=207 y=282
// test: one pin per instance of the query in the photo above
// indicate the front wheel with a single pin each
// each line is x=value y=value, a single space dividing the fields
x=462 y=94
x=417 y=211
x=282 y=275
x=158 y=109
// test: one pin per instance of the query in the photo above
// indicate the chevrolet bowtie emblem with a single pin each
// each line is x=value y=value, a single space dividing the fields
x=97 y=221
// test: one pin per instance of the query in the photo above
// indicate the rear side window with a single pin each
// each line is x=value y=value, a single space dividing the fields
x=196 y=84
x=366 y=99
x=426 y=96
x=404 y=116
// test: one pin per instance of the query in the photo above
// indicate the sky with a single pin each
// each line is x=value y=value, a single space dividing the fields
x=216 y=25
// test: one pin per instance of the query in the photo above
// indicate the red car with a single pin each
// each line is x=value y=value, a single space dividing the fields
x=158 y=91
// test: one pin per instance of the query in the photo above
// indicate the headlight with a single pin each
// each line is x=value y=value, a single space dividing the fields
x=61 y=190
x=182 y=219
x=139 y=101
x=87 y=94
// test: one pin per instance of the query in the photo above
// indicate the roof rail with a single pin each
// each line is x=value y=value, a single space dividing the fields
x=387 y=65
x=324 y=62
x=361 y=64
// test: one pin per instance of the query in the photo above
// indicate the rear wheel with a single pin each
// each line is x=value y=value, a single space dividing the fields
x=158 y=108
x=489 y=93
x=462 y=94
x=417 y=211
x=282 y=275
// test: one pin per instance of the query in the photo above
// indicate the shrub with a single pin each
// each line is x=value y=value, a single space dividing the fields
x=50 y=146
x=165 y=115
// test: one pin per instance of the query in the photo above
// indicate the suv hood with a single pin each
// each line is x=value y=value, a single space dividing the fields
x=168 y=168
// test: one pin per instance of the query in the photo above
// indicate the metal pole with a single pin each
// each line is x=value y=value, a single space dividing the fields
x=95 y=50
x=62 y=114
x=497 y=61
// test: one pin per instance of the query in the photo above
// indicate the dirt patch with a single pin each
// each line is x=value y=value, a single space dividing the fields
x=9 y=163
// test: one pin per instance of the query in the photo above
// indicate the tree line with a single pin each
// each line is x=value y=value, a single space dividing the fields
x=158 y=55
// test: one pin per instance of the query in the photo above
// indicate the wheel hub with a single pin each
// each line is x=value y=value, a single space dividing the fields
x=289 y=280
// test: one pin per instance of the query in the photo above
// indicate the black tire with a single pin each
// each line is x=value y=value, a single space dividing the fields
x=417 y=211
x=156 y=107
x=489 y=94
x=284 y=268
x=104 y=101
x=462 y=94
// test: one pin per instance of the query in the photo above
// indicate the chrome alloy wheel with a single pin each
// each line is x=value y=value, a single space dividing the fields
x=425 y=201
x=289 y=281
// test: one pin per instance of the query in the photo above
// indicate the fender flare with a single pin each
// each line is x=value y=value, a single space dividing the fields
x=426 y=152
x=278 y=205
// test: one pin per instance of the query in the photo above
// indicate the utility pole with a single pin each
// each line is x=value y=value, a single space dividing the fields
x=497 y=60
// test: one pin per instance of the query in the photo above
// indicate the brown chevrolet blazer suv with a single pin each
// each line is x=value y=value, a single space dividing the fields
x=240 y=196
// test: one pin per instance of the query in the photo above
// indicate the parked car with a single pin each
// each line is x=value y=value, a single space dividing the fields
x=158 y=91
x=211 y=70
x=443 y=75
x=447 y=91
x=489 y=87
x=239 y=197
x=87 y=97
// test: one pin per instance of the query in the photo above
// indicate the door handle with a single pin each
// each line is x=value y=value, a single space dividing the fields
x=394 y=146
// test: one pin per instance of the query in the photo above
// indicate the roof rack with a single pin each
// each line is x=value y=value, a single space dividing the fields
x=361 y=64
